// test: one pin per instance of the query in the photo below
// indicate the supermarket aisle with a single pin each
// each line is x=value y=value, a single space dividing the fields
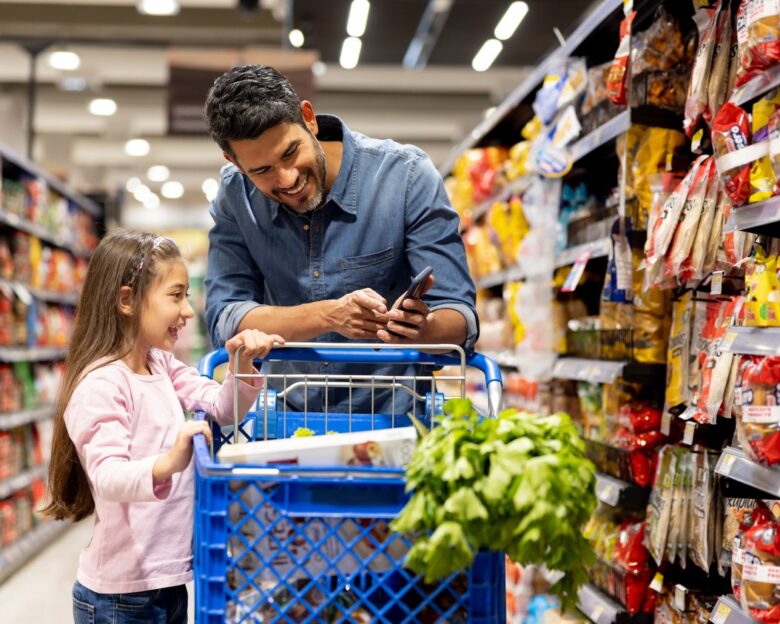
x=40 y=591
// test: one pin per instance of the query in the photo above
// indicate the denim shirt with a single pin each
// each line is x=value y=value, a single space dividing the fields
x=386 y=217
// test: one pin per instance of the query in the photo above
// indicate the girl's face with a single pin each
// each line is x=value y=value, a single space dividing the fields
x=165 y=308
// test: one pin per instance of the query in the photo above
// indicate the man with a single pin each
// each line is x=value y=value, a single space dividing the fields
x=319 y=229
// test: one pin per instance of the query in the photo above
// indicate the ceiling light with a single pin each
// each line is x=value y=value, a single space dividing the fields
x=296 y=38
x=158 y=7
x=158 y=173
x=358 y=16
x=133 y=184
x=65 y=60
x=319 y=68
x=172 y=189
x=105 y=107
x=74 y=83
x=487 y=54
x=511 y=20
x=151 y=201
x=142 y=192
x=209 y=188
x=137 y=147
x=350 y=53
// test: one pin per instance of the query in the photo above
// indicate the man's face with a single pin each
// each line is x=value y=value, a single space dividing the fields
x=286 y=164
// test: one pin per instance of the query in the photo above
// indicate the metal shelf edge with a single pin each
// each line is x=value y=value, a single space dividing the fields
x=752 y=340
x=601 y=136
x=31 y=354
x=11 y=420
x=728 y=611
x=12 y=484
x=754 y=215
x=598 y=249
x=735 y=465
x=26 y=547
x=39 y=231
x=581 y=369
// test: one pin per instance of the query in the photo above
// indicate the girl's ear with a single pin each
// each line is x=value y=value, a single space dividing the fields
x=125 y=303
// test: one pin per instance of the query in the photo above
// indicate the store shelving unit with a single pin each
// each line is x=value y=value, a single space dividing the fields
x=593 y=371
x=598 y=249
x=759 y=218
x=752 y=340
x=600 y=609
x=602 y=135
x=31 y=354
x=516 y=187
x=735 y=465
x=617 y=493
x=14 y=556
x=51 y=296
x=10 y=485
x=728 y=611
x=12 y=420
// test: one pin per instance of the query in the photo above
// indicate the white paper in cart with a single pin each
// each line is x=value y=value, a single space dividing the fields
x=384 y=447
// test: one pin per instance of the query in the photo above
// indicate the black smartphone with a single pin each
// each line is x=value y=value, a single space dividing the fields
x=415 y=288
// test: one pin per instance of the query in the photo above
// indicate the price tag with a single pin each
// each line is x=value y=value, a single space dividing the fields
x=726 y=464
x=576 y=272
x=666 y=423
x=716 y=285
x=721 y=613
x=690 y=430
x=728 y=340
x=624 y=265
x=605 y=492
x=596 y=613
x=658 y=583
x=688 y=413
x=680 y=595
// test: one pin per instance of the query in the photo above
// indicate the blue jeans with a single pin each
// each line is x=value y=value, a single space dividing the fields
x=157 y=606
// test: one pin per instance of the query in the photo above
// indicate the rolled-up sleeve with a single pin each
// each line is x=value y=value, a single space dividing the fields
x=432 y=239
x=234 y=282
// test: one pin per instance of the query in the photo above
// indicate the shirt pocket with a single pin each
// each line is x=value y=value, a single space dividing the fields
x=368 y=270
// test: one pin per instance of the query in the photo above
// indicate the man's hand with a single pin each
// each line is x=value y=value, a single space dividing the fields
x=407 y=323
x=359 y=314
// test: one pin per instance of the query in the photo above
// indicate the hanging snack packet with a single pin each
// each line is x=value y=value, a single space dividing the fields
x=760 y=592
x=762 y=176
x=659 y=509
x=718 y=89
x=758 y=36
x=696 y=104
x=718 y=220
x=617 y=81
x=762 y=307
x=731 y=133
x=675 y=519
x=689 y=462
x=727 y=408
x=716 y=370
x=699 y=343
x=693 y=267
x=690 y=217
x=700 y=518
x=759 y=422
x=678 y=352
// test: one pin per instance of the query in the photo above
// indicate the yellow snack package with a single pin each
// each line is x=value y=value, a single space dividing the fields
x=762 y=176
x=532 y=128
x=511 y=294
x=762 y=307
x=677 y=359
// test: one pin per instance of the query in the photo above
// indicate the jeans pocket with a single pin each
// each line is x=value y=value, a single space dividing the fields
x=83 y=612
x=137 y=601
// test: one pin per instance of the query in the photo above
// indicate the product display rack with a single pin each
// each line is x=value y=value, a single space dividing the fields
x=30 y=544
x=728 y=611
x=600 y=609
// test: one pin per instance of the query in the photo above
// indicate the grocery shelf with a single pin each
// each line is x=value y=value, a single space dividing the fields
x=758 y=86
x=11 y=420
x=728 y=611
x=598 y=249
x=752 y=340
x=759 y=218
x=735 y=465
x=31 y=354
x=600 y=609
x=515 y=187
x=601 y=135
x=30 y=167
x=593 y=371
x=42 y=294
x=617 y=493
x=512 y=274
x=13 y=484
x=41 y=232
x=26 y=547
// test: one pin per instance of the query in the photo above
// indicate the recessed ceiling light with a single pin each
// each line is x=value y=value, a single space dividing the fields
x=133 y=184
x=137 y=147
x=487 y=54
x=358 y=17
x=151 y=201
x=319 y=68
x=158 y=7
x=350 y=52
x=64 y=60
x=141 y=192
x=158 y=173
x=172 y=189
x=296 y=38
x=511 y=20
x=104 y=107
x=209 y=188
x=73 y=83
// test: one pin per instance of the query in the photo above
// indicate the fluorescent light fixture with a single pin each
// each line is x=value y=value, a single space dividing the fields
x=350 y=52
x=172 y=189
x=151 y=201
x=358 y=16
x=209 y=188
x=64 y=60
x=104 y=107
x=158 y=173
x=508 y=24
x=142 y=192
x=158 y=7
x=133 y=184
x=296 y=38
x=319 y=68
x=487 y=54
x=137 y=147
x=74 y=83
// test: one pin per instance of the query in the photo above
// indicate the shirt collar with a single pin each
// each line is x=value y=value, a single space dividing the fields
x=342 y=193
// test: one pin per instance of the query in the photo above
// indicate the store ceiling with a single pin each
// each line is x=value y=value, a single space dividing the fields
x=125 y=56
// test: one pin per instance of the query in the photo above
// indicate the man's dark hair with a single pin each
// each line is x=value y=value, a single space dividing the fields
x=248 y=100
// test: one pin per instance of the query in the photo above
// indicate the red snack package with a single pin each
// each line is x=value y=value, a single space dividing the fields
x=758 y=38
x=730 y=133
x=639 y=417
x=758 y=422
x=760 y=571
x=759 y=514
x=617 y=90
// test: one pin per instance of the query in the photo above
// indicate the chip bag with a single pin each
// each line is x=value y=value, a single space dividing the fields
x=762 y=306
x=696 y=103
x=762 y=176
x=760 y=595
x=758 y=37
x=758 y=421
x=617 y=90
x=731 y=133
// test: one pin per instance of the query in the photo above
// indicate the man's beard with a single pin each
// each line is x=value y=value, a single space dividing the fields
x=315 y=201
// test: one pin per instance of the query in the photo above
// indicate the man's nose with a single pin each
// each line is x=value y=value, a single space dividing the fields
x=288 y=177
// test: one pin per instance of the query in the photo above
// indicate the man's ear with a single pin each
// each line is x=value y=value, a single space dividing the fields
x=309 y=117
x=125 y=303
x=230 y=159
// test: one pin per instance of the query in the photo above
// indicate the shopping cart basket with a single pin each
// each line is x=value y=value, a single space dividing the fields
x=281 y=543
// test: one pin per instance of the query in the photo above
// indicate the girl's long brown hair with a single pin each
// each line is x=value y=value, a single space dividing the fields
x=101 y=331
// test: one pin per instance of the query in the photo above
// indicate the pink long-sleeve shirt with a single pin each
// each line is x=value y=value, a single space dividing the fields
x=121 y=422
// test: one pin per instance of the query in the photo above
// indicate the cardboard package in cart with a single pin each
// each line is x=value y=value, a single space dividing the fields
x=277 y=547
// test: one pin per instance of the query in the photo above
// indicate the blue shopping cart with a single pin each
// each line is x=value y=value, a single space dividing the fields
x=282 y=543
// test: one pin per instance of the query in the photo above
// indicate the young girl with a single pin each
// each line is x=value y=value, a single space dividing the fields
x=121 y=445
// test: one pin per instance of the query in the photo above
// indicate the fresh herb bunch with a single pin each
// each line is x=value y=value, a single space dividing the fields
x=519 y=483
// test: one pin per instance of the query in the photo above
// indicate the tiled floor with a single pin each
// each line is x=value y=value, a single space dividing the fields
x=40 y=591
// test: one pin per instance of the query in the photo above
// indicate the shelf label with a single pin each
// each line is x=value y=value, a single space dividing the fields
x=658 y=583
x=690 y=430
x=728 y=340
x=721 y=613
x=666 y=423
x=596 y=613
x=716 y=285
x=680 y=595
x=576 y=272
x=727 y=463
x=624 y=264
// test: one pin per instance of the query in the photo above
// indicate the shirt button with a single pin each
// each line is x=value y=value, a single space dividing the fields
x=316 y=273
x=306 y=227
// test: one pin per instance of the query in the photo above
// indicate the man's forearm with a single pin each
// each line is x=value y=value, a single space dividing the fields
x=299 y=323
x=445 y=326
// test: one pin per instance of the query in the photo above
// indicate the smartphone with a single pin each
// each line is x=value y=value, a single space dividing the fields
x=415 y=288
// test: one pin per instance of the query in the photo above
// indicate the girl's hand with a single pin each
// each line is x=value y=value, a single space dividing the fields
x=255 y=344
x=178 y=458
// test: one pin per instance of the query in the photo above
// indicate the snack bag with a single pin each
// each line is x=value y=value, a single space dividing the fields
x=730 y=133
x=762 y=176
x=616 y=82
x=758 y=37
x=760 y=590
x=696 y=104
x=718 y=89
x=660 y=506
x=762 y=307
x=716 y=369
x=677 y=352
x=758 y=422
x=718 y=221
x=693 y=266
x=700 y=519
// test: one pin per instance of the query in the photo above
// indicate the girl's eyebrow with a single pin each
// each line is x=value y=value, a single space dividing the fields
x=178 y=286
